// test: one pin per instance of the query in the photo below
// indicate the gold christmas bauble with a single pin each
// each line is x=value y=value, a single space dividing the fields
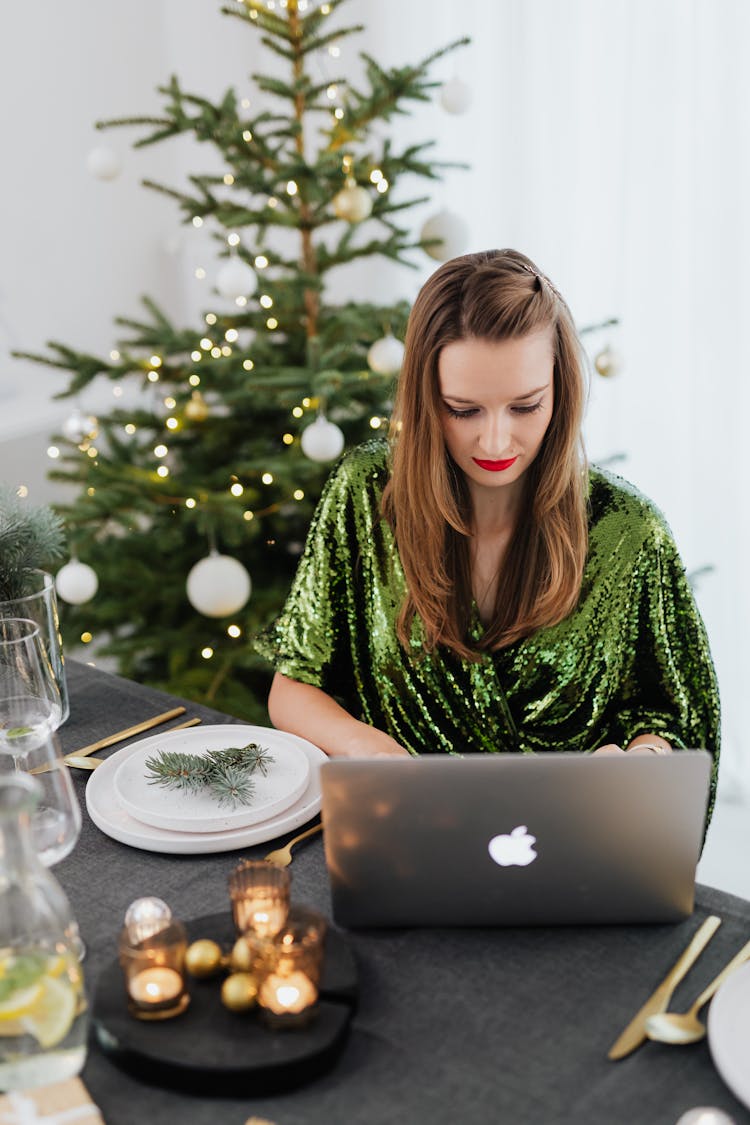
x=203 y=958
x=239 y=992
x=196 y=410
x=607 y=362
x=353 y=203
x=252 y=955
x=242 y=956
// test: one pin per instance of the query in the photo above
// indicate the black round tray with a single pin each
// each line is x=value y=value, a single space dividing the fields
x=210 y=1050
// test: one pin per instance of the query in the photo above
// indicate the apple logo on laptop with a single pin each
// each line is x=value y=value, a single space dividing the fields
x=514 y=849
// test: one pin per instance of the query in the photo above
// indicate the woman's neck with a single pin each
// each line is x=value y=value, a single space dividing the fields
x=495 y=510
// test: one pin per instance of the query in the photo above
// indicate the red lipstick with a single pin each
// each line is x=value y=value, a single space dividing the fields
x=495 y=466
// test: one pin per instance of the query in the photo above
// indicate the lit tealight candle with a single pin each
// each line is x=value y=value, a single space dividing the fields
x=264 y=916
x=152 y=957
x=288 y=1000
x=153 y=988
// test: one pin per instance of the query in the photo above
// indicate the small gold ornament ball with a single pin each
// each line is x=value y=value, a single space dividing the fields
x=239 y=992
x=203 y=958
x=607 y=362
x=241 y=958
x=196 y=410
x=353 y=203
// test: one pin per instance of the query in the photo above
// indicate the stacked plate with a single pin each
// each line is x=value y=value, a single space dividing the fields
x=729 y=1032
x=126 y=804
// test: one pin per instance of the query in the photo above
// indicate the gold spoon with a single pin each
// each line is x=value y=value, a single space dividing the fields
x=282 y=857
x=685 y=1027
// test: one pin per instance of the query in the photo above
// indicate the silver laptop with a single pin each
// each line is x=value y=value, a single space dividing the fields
x=514 y=839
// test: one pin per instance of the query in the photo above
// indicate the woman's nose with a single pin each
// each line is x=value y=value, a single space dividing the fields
x=495 y=435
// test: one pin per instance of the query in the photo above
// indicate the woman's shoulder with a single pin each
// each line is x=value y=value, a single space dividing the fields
x=616 y=503
x=364 y=466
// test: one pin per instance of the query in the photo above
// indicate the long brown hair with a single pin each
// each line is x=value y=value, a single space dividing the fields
x=495 y=295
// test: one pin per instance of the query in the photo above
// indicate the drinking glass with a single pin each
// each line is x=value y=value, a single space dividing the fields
x=30 y=711
x=30 y=706
x=38 y=601
x=56 y=820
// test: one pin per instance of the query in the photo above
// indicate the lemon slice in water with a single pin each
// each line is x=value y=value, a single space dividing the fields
x=20 y=1001
x=51 y=1016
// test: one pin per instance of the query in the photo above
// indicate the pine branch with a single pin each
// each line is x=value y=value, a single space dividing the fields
x=226 y=774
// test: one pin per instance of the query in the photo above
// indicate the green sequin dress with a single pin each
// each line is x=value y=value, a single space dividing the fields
x=632 y=658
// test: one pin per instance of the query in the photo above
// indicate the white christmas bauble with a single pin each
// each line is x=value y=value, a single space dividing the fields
x=218 y=585
x=76 y=582
x=386 y=355
x=322 y=440
x=456 y=96
x=236 y=279
x=353 y=203
x=452 y=233
x=103 y=163
x=79 y=426
x=705 y=1115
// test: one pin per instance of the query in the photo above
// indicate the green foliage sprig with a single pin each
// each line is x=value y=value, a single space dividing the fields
x=29 y=537
x=225 y=774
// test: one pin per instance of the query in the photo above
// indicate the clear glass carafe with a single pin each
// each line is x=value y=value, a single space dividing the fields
x=43 y=1017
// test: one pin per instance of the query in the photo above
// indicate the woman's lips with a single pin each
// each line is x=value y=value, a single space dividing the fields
x=495 y=466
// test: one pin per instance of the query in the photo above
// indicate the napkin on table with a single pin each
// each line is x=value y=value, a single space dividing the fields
x=62 y=1103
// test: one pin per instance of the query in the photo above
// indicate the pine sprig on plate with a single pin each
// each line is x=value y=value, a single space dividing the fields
x=225 y=774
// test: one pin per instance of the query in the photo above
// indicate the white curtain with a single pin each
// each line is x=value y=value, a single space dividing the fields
x=611 y=142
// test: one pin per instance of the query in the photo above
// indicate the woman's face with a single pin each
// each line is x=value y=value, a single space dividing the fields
x=497 y=400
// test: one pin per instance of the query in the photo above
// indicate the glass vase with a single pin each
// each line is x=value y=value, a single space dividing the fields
x=39 y=602
x=43 y=1018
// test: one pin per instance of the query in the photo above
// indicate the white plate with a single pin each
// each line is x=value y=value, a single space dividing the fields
x=729 y=1032
x=179 y=811
x=108 y=814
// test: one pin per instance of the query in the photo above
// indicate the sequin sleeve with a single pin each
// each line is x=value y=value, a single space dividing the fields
x=307 y=641
x=667 y=683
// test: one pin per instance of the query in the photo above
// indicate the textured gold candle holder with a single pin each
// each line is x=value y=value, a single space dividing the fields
x=260 y=898
x=154 y=971
x=288 y=994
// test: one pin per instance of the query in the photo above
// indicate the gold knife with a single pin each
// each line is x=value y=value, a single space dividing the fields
x=635 y=1033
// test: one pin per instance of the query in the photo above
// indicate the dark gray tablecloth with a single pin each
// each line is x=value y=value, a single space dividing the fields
x=472 y=1026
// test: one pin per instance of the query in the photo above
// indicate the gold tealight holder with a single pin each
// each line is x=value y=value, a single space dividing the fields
x=260 y=898
x=288 y=994
x=153 y=966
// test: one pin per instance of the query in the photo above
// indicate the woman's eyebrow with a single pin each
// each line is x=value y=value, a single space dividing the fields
x=518 y=398
x=530 y=394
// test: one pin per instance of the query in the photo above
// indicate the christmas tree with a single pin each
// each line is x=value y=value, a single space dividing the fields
x=214 y=476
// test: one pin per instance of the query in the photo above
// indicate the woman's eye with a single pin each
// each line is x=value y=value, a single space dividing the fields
x=527 y=409
x=461 y=413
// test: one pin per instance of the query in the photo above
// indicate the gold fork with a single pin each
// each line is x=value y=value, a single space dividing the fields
x=282 y=857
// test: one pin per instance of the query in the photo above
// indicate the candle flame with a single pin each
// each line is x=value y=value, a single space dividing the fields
x=288 y=995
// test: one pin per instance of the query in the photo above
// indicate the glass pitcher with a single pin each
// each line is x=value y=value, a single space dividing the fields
x=43 y=1017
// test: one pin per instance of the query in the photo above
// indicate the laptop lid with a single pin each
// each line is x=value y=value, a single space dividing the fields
x=514 y=839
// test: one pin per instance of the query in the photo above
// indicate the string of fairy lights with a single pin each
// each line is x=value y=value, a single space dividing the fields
x=218 y=585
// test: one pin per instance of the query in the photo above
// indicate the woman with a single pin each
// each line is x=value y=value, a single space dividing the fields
x=474 y=586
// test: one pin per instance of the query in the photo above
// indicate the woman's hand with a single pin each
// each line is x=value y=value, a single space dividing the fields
x=372 y=743
x=641 y=744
